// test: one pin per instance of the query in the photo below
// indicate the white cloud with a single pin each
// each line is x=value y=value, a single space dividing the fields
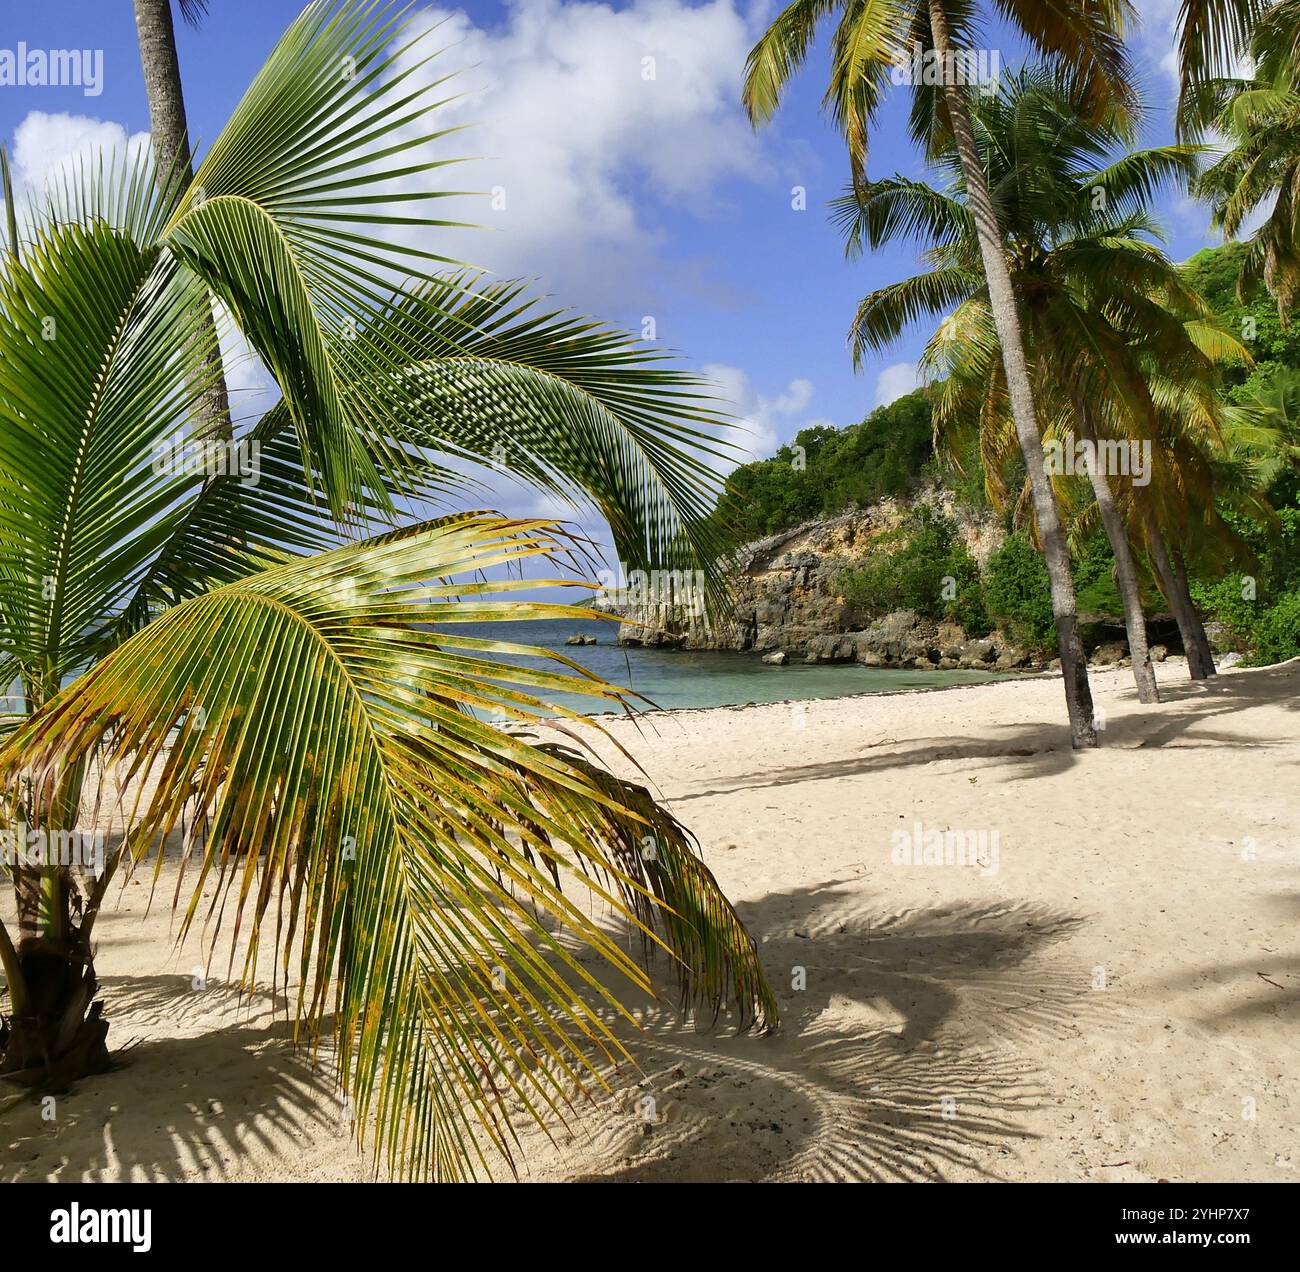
x=591 y=123
x=1155 y=40
x=896 y=380
x=46 y=144
x=762 y=423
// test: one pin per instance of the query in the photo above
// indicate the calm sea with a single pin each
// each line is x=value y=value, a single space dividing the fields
x=674 y=678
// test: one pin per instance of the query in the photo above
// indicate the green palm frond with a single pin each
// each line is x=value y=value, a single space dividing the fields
x=779 y=54
x=867 y=43
x=194 y=11
x=565 y=405
x=1087 y=36
x=101 y=352
x=319 y=731
x=898 y=207
x=1213 y=35
x=290 y=222
x=865 y=46
x=1132 y=182
x=1258 y=120
x=883 y=315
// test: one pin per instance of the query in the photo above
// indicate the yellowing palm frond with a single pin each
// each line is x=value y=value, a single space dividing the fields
x=319 y=730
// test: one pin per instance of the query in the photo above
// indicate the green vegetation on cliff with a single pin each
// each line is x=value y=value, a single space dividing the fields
x=825 y=472
x=922 y=566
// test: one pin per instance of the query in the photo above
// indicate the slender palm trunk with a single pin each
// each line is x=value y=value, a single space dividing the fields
x=1199 y=634
x=156 y=35
x=1074 y=667
x=1126 y=576
x=1196 y=645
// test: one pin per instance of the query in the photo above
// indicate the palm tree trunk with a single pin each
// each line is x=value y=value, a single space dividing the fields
x=55 y=1031
x=156 y=35
x=1199 y=634
x=1126 y=576
x=1002 y=300
x=1196 y=645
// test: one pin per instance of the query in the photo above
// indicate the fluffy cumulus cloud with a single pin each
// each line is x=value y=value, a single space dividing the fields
x=46 y=144
x=762 y=422
x=591 y=125
x=896 y=380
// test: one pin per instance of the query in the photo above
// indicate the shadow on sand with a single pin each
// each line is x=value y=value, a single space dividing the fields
x=897 y=1060
x=1045 y=746
x=236 y=1087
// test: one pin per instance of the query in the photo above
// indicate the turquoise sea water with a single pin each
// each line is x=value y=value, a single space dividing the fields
x=675 y=678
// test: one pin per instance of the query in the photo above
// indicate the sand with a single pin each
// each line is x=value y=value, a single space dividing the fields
x=1118 y=1000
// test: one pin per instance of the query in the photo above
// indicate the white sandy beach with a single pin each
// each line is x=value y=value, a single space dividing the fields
x=1119 y=1000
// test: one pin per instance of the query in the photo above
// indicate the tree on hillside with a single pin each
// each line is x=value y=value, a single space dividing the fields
x=1096 y=296
x=825 y=471
x=869 y=41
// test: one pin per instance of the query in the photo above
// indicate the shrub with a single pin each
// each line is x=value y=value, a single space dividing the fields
x=1017 y=595
x=1262 y=622
x=1094 y=578
x=1266 y=633
x=922 y=566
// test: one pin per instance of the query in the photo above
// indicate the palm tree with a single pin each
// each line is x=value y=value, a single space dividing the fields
x=869 y=40
x=1259 y=118
x=1100 y=305
x=274 y=665
x=1264 y=428
x=156 y=36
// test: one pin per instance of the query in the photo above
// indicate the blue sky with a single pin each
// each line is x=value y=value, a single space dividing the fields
x=626 y=196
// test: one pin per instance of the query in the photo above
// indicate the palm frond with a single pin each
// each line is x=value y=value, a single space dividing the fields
x=883 y=315
x=565 y=405
x=284 y=223
x=323 y=723
x=101 y=353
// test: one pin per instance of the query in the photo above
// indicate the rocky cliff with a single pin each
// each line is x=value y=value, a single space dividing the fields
x=787 y=603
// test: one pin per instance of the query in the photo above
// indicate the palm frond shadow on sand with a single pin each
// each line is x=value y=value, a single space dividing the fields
x=898 y=1060
x=181 y=1105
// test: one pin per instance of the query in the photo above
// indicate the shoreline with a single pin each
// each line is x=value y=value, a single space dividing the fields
x=1174 y=663
x=994 y=678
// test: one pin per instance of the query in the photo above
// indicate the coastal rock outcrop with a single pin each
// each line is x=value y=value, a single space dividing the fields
x=787 y=600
